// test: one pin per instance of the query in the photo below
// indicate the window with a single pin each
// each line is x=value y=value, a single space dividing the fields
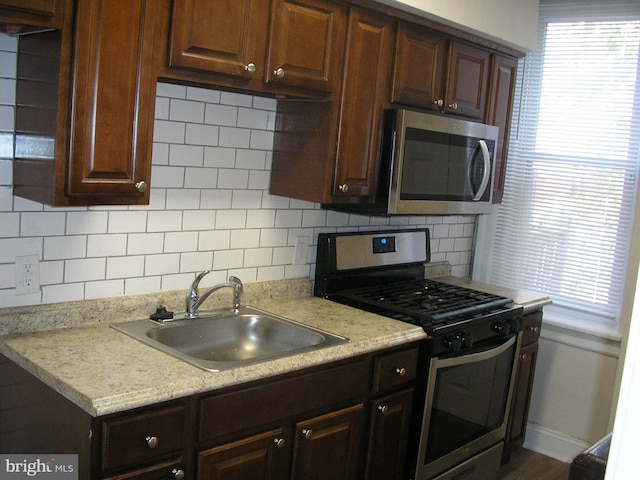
x=564 y=226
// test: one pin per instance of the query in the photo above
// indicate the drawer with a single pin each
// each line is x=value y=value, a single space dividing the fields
x=143 y=437
x=250 y=408
x=394 y=369
x=531 y=325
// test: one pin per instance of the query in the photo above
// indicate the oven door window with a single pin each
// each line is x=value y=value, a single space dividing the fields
x=440 y=166
x=469 y=399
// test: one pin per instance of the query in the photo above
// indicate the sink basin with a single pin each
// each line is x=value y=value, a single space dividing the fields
x=222 y=340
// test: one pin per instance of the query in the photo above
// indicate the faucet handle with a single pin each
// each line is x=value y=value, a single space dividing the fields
x=238 y=282
x=199 y=277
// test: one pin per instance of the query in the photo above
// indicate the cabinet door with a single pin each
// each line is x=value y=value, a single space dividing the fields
x=112 y=101
x=418 y=72
x=221 y=36
x=390 y=417
x=503 y=78
x=37 y=13
x=364 y=97
x=261 y=457
x=305 y=38
x=519 y=414
x=162 y=471
x=467 y=81
x=329 y=446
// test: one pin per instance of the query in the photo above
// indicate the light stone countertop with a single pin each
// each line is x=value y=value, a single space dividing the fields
x=104 y=371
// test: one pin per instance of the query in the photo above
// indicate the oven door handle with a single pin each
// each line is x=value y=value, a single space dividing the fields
x=477 y=356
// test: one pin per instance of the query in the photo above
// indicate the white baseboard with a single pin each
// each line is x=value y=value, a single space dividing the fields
x=553 y=444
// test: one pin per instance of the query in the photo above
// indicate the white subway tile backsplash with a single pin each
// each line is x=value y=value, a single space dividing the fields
x=246 y=238
x=235 y=137
x=222 y=115
x=227 y=259
x=231 y=219
x=125 y=267
x=198 y=220
x=84 y=270
x=10 y=224
x=164 y=221
x=106 y=245
x=104 y=289
x=195 y=262
x=181 y=199
x=180 y=242
x=86 y=222
x=162 y=264
x=127 y=221
x=210 y=208
x=202 y=135
x=65 y=247
x=145 y=243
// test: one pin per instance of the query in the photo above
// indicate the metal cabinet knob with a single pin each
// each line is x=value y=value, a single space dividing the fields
x=438 y=103
x=383 y=409
x=308 y=433
x=177 y=474
x=152 y=442
x=453 y=106
x=401 y=371
x=534 y=329
x=279 y=442
x=523 y=357
x=344 y=188
x=141 y=186
x=279 y=73
x=250 y=68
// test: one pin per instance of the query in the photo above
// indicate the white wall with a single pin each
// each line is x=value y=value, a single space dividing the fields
x=512 y=22
x=210 y=209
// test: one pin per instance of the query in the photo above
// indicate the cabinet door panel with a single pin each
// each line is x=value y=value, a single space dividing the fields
x=503 y=79
x=304 y=44
x=224 y=36
x=418 y=72
x=521 y=401
x=110 y=136
x=366 y=83
x=261 y=457
x=468 y=81
x=329 y=446
x=38 y=13
x=390 y=417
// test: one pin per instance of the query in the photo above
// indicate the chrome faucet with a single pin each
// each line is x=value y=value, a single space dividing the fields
x=194 y=299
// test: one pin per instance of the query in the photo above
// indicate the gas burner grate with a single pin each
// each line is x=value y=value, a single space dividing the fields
x=427 y=301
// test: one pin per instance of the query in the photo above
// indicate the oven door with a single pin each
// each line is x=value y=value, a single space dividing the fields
x=467 y=404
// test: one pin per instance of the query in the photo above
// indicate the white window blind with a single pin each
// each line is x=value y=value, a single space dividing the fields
x=564 y=226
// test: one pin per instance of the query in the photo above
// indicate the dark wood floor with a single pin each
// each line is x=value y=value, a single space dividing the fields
x=528 y=465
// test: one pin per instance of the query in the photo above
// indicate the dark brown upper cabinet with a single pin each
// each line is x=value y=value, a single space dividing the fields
x=282 y=46
x=503 y=78
x=436 y=73
x=85 y=106
x=26 y=15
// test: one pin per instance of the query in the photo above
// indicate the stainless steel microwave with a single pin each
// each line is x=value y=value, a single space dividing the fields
x=433 y=165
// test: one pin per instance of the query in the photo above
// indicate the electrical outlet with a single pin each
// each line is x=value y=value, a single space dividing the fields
x=301 y=251
x=27 y=274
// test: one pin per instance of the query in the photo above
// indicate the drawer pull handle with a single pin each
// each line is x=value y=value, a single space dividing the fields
x=401 y=371
x=177 y=474
x=308 y=433
x=152 y=442
x=279 y=442
x=383 y=409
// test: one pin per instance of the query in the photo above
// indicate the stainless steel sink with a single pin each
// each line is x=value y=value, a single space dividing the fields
x=222 y=340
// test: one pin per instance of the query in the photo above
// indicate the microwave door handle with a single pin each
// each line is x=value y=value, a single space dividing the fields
x=487 y=170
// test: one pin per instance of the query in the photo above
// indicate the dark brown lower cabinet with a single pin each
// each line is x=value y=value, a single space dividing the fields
x=526 y=367
x=390 y=417
x=310 y=424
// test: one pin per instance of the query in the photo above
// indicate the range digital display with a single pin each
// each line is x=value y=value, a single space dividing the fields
x=384 y=244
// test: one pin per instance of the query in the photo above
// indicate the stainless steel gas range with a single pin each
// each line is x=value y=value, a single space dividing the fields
x=467 y=367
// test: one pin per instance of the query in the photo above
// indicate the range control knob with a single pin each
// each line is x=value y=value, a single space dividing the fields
x=504 y=328
x=466 y=339
x=452 y=342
